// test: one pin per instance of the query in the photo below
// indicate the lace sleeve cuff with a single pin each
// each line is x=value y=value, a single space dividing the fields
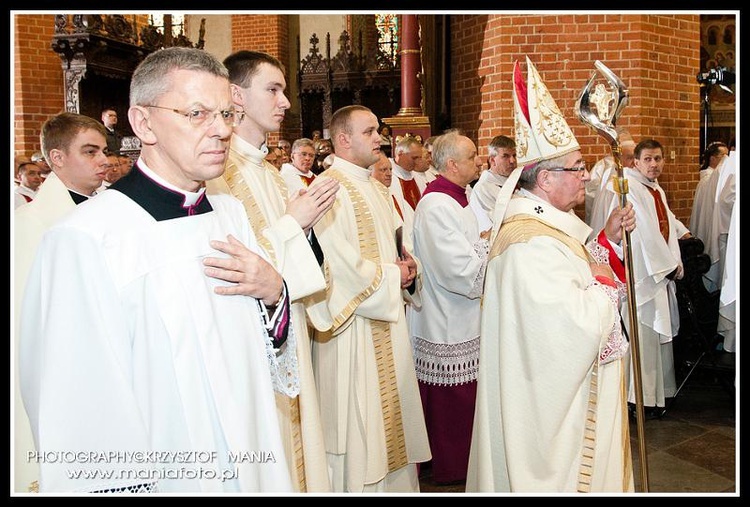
x=482 y=249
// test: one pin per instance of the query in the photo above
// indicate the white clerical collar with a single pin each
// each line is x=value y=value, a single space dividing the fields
x=190 y=197
x=26 y=191
x=401 y=172
x=497 y=179
x=638 y=176
x=566 y=221
x=247 y=150
x=351 y=169
x=308 y=174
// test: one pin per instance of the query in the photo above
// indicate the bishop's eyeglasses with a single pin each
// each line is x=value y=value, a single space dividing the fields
x=205 y=118
x=580 y=169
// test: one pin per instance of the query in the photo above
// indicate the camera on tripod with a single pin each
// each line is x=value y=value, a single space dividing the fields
x=720 y=76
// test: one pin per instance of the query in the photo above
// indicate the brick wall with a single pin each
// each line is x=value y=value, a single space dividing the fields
x=270 y=34
x=657 y=56
x=38 y=80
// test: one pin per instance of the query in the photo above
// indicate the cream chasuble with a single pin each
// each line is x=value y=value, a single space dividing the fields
x=550 y=411
x=263 y=192
x=370 y=404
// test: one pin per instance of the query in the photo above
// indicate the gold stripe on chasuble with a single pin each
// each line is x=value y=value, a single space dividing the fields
x=240 y=189
x=521 y=229
x=299 y=454
x=586 y=469
x=258 y=223
x=627 y=459
x=381 y=331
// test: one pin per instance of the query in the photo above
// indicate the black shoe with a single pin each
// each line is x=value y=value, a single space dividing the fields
x=649 y=413
x=653 y=412
x=631 y=411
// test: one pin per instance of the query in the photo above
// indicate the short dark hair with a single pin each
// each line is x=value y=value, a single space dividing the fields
x=25 y=163
x=340 y=120
x=243 y=65
x=60 y=130
x=647 y=144
x=501 y=142
x=712 y=150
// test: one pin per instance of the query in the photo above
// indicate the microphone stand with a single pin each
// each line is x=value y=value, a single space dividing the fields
x=706 y=115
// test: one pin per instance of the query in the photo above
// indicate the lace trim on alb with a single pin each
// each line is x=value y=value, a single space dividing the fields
x=482 y=249
x=598 y=252
x=616 y=346
x=446 y=363
x=283 y=362
x=144 y=487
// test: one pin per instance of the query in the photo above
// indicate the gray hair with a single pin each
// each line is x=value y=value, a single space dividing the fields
x=302 y=141
x=445 y=147
x=529 y=173
x=149 y=84
x=405 y=144
x=429 y=141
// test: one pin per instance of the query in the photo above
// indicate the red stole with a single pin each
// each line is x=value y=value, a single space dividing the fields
x=411 y=192
x=661 y=213
x=614 y=261
x=307 y=180
x=29 y=199
x=398 y=208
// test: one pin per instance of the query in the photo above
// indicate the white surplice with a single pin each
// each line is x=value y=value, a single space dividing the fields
x=253 y=180
x=130 y=350
x=425 y=178
x=545 y=324
x=19 y=193
x=293 y=177
x=445 y=330
x=483 y=195
x=30 y=222
x=364 y=295
x=728 y=297
x=653 y=259
x=397 y=191
x=724 y=230
x=723 y=194
x=703 y=203
x=600 y=173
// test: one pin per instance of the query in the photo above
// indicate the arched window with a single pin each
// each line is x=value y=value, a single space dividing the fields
x=713 y=35
x=176 y=21
x=387 y=25
x=729 y=34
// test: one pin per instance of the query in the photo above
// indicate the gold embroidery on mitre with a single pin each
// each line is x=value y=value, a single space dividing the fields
x=522 y=138
x=544 y=134
x=552 y=125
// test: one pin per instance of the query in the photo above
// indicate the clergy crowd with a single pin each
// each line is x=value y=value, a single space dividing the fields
x=213 y=322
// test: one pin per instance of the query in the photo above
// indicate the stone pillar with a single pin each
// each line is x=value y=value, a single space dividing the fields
x=410 y=119
x=411 y=67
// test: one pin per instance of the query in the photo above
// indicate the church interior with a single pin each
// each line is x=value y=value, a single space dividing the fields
x=423 y=73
